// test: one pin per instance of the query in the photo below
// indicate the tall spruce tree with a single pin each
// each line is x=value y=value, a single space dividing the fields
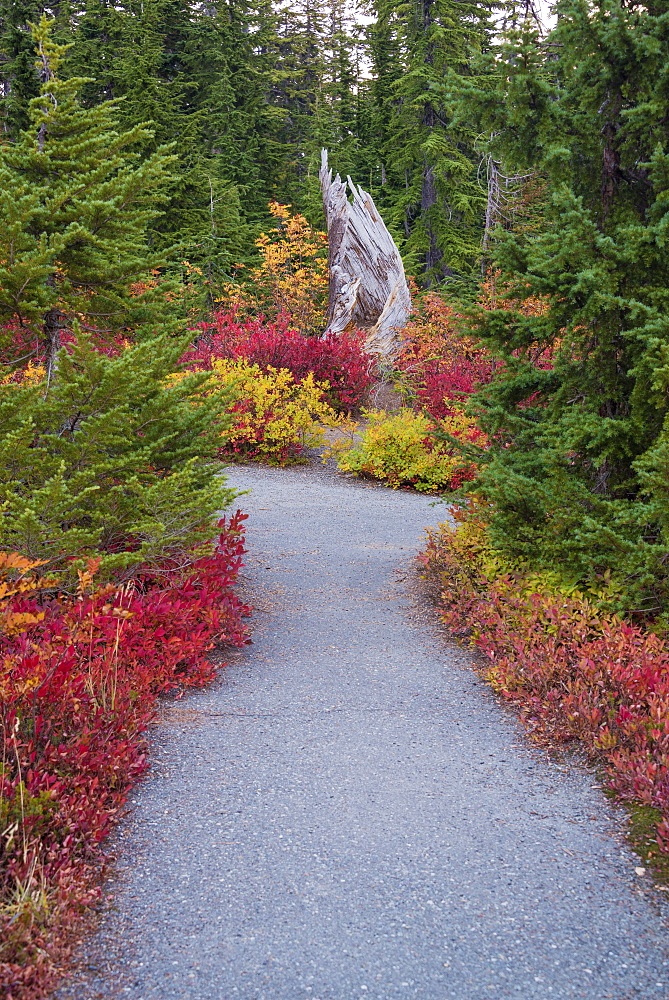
x=106 y=453
x=578 y=469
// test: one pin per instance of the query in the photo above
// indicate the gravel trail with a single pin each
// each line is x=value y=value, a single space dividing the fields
x=347 y=813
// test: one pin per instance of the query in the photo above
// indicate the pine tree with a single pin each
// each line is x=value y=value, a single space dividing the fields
x=578 y=469
x=104 y=454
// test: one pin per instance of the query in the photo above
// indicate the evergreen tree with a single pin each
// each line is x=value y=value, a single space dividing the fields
x=224 y=83
x=90 y=198
x=334 y=124
x=104 y=453
x=249 y=91
x=19 y=81
x=430 y=166
x=577 y=474
x=340 y=120
x=290 y=44
x=167 y=60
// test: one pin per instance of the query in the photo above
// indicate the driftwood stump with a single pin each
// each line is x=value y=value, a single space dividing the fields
x=368 y=288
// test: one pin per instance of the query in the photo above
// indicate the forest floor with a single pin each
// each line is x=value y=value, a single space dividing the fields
x=348 y=812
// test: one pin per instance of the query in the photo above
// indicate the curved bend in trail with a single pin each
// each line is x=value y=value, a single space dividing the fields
x=347 y=814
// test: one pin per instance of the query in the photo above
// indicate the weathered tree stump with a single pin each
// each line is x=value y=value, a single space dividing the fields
x=368 y=287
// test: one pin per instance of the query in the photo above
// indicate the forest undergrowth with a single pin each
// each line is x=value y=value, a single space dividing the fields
x=116 y=569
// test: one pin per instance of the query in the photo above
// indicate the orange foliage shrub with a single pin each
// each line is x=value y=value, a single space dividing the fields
x=292 y=280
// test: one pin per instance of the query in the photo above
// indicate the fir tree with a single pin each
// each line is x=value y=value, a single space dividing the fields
x=168 y=61
x=90 y=198
x=430 y=165
x=334 y=125
x=104 y=454
x=290 y=43
x=578 y=470
x=19 y=82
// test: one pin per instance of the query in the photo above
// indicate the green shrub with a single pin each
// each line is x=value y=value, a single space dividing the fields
x=110 y=462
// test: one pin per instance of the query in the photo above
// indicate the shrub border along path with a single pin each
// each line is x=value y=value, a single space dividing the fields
x=79 y=680
x=577 y=675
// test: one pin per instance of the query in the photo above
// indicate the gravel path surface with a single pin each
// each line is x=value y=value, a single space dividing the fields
x=349 y=814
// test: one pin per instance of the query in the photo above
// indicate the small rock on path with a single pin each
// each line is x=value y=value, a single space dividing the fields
x=348 y=814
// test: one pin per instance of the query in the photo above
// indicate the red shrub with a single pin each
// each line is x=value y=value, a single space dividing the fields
x=576 y=674
x=339 y=360
x=440 y=364
x=78 y=685
x=441 y=383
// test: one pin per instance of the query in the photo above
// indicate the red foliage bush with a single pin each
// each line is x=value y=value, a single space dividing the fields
x=339 y=360
x=576 y=673
x=79 y=680
x=440 y=383
x=440 y=364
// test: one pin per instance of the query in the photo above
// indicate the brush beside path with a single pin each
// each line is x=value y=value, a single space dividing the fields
x=348 y=813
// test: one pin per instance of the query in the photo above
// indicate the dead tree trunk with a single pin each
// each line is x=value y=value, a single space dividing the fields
x=368 y=288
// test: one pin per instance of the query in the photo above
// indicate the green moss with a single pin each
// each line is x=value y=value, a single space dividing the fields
x=643 y=823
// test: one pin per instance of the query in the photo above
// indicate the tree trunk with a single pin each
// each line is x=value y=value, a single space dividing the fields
x=368 y=288
x=428 y=200
x=54 y=322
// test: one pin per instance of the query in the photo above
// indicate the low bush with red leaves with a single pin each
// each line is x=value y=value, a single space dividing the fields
x=443 y=384
x=338 y=360
x=79 y=679
x=576 y=673
x=440 y=366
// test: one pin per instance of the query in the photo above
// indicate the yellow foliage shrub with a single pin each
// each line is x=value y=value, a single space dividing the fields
x=401 y=449
x=274 y=417
x=32 y=374
x=461 y=554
